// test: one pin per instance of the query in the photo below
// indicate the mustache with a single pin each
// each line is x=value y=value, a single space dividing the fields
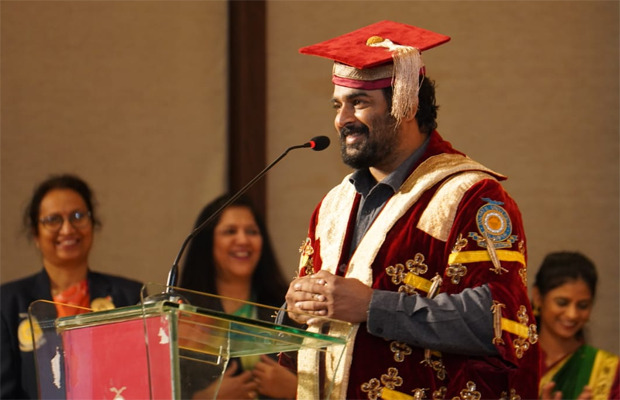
x=350 y=129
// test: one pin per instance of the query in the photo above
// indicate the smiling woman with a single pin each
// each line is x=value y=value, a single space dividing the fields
x=232 y=257
x=563 y=298
x=60 y=218
x=236 y=251
x=64 y=235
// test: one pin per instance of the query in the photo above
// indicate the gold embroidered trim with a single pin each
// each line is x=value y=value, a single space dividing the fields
x=413 y=282
x=436 y=286
x=397 y=272
x=497 y=266
x=440 y=393
x=332 y=225
x=436 y=364
x=473 y=256
x=390 y=381
x=470 y=393
x=523 y=271
x=417 y=264
x=306 y=261
x=455 y=272
x=512 y=396
x=496 y=309
x=526 y=335
x=308 y=364
x=368 y=74
x=523 y=275
x=460 y=243
x=437 y=218
x=372 y=387
x=400 y=350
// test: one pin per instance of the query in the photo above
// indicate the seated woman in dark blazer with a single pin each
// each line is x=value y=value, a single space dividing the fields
x=60 y=218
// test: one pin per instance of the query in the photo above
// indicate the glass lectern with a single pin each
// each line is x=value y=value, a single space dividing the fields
x=173 y=343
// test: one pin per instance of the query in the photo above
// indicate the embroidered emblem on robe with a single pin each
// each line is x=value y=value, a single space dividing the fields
x=493 y=223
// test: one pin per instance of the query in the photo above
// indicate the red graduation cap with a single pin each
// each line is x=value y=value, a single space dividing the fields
x=380 y=55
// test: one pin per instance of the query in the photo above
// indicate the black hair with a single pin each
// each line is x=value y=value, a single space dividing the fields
x=561 y=267
x=54 y=182
x=198 y=272
x=426 y=115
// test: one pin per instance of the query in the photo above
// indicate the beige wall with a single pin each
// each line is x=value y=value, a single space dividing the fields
x=530 y=89
x=131 y=95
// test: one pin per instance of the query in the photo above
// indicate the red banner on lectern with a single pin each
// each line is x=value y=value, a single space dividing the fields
x=120 y=360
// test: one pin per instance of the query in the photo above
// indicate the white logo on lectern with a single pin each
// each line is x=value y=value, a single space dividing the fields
x=163 y=337
x=118 y=392
x=56 y=370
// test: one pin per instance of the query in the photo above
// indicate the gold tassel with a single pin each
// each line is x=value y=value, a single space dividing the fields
x=405 y=77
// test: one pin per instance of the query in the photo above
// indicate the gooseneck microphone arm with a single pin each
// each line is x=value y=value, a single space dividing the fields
x=317 y=143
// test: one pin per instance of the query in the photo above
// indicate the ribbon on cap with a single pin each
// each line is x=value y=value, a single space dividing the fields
x=405 y=77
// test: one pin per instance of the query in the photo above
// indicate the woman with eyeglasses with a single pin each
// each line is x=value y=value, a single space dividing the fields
x=563 y=298
x=60 y=218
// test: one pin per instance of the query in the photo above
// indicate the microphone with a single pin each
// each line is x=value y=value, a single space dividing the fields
x=317 y=143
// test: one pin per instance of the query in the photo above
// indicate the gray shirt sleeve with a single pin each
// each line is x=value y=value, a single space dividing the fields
x=459 y=323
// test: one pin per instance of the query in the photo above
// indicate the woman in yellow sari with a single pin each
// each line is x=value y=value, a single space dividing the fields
x=563 y=297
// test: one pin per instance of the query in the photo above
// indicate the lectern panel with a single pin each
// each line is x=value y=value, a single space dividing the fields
x=169 y=346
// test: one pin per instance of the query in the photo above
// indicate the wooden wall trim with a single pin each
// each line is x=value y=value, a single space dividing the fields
x=247 y=97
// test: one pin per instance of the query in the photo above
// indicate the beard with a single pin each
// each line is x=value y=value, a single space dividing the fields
x=376 y=146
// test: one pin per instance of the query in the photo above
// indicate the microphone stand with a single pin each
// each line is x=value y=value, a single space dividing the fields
x=318 y=143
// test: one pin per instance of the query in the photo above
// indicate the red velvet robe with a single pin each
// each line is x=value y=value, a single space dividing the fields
x=450 y=218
